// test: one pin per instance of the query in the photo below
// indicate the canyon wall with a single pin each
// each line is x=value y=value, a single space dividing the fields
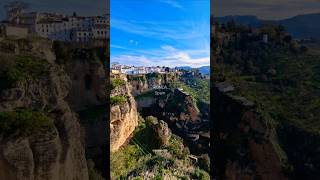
x=55 y=152
x=244 y=141
x=158 y=96
x=88 y=80
x=123 y=117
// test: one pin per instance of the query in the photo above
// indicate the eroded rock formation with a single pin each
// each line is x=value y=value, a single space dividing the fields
x=243 y=146
x=55 y=153
x=123 y=117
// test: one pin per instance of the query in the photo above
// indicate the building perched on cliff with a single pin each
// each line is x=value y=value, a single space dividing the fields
x=62 y=27
x=133 y=70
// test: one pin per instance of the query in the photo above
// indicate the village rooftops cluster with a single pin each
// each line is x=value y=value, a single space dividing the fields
x=55 y=26
x=135 y=70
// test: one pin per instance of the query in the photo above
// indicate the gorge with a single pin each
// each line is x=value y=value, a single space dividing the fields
x=159 y=96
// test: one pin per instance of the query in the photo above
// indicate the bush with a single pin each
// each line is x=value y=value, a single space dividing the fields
x=21 y=68
x=118 y=100
x=24 y=122
x=204 y=162
x=115 y=83
x=136 y=78
x=154 y=75
x=200 y=174
x=151 y=121
x=176 y=147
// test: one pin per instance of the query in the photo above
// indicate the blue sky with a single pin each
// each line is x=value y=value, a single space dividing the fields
x=160 y=32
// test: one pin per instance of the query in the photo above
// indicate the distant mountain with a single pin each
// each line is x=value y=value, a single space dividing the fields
x=187 y=68
x=301 y=26
x=205 y=70
x=246 y=20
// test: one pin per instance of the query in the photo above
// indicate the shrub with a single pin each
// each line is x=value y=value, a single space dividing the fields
x=24 y=122
x=137 y=78
x=153 y=75
x=176 y=147
x=118 y=100
x=204 y=162
x=21 y=68
x=151 y=121
x=115 y=83
x=200 y=174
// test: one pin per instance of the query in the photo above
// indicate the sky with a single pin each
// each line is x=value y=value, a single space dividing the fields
x=265 y=9
x=82 y=7
x=160 y=32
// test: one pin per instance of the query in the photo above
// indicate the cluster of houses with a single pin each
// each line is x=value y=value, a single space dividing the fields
x=135 y=70
x=56 y=26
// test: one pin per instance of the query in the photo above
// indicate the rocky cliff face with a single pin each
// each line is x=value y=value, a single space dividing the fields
x=88 y=80
x=144 y=83
x=123 y=117
x=244 y=142
x=56 y=153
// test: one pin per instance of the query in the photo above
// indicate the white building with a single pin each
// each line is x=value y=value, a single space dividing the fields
x=64 y=28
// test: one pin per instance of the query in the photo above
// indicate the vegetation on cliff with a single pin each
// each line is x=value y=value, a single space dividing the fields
x=136 y=158
x=66 y=52
x=281 y=77
x=137 y=78
x=117 y=100
x=24 y=122
x=16 y=68
x=115 y=83
x=198 y=88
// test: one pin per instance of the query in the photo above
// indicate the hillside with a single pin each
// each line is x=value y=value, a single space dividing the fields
x=160 y=143
x=281 y=77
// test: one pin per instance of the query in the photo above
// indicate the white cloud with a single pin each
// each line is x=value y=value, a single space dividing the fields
x=185 y=31
x=173 y=3
x=165 y=56
x=133 y=42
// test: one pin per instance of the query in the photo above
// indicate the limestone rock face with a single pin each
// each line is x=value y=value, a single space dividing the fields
x=123 y=118
x=182 y=105
x=54 y=154
x=162 y=132
x=88 y=82
x=241 y=132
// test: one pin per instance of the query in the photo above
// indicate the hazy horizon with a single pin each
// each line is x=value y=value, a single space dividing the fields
x=266 y=10
x=266 y=19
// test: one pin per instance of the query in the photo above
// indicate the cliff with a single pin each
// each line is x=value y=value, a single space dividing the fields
x=245 y=146
x=51 y=147
x=123 y=114
x=147 y=82
x=158 y=95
